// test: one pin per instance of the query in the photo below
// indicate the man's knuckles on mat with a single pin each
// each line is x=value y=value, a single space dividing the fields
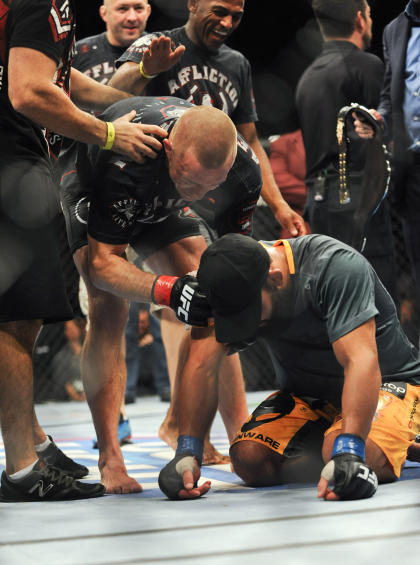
x=178 y=479
x=352 y=478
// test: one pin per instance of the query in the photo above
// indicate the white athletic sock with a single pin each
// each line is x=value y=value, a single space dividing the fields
x=42 y=446
x=23 y=472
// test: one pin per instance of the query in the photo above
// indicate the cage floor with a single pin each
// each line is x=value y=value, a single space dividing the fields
x=233 y=524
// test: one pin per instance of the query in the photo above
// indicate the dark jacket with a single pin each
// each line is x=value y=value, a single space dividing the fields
x=395 y=40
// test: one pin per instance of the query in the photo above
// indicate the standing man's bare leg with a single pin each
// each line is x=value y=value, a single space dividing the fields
x=232 y=400
x=104 y=376
x=16 y=399
x=38 y=433
x=173 y=337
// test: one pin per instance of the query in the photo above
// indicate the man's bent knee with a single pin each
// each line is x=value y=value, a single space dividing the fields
x=255 y=464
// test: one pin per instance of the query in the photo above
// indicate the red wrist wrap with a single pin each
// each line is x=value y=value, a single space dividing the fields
x=161 y=290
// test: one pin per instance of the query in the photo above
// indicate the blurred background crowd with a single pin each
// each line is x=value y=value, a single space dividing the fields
x=280 y=40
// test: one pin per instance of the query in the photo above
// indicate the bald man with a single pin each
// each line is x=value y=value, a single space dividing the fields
x=125 y=21
x=143 y=205
x=95 y=57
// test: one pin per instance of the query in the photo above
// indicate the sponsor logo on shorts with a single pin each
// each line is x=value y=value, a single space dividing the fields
x=413 y=412
x=258 y=437
x=397 y=388
x=276 y=406
x=123 y=212
x=82 y=209
x=384 y=401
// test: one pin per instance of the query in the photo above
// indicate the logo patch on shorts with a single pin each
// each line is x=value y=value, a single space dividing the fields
x=397 y=388
x=81 y=210
x=124 y=212
x=384 y=401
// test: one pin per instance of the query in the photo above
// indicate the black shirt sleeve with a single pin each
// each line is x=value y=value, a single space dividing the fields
x=237 y=197
x=45 y=28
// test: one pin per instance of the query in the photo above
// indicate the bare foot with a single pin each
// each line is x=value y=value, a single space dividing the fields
x=116 y=480
x=169 y=434
x=213 y=457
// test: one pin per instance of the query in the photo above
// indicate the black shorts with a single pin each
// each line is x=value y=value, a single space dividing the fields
x=75 y=201
x=179 y=225
x=148 y=239
x=32 y=284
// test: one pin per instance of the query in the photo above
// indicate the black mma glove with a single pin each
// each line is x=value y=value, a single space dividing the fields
x=184 y=296
x=352 y=478
x=188 y=453
x=171 y=476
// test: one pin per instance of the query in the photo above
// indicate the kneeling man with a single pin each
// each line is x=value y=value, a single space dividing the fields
x=350 y=379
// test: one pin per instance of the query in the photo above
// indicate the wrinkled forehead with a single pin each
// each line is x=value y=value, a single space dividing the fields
x=126 y=3
x=231 y=5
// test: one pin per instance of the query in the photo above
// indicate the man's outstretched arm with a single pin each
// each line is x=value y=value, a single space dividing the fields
x=33 y=93
x=111 y=272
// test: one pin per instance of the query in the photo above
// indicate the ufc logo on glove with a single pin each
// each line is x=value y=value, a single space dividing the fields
x=186 y=297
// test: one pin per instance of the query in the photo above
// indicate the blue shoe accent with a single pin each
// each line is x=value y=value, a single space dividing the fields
x=124 y=433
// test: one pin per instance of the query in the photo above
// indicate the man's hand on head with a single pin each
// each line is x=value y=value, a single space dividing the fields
x=137 y=141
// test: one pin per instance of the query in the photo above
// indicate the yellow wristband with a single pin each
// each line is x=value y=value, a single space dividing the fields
x=143 y=73
x=110 y=136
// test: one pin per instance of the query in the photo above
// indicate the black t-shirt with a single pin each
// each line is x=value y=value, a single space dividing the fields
x=340 y=75
x=126 y=194
x=48 y=27
x=221 y=79
x=95 y=57
x=333 y=291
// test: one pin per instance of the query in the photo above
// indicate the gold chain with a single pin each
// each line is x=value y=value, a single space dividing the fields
x=343 y=192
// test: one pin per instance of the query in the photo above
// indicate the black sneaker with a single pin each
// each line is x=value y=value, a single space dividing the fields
x=55 y=457
x=45 y=482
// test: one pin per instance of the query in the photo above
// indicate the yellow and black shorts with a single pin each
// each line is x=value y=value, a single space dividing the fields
x=286 y=423
x=396 y=422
